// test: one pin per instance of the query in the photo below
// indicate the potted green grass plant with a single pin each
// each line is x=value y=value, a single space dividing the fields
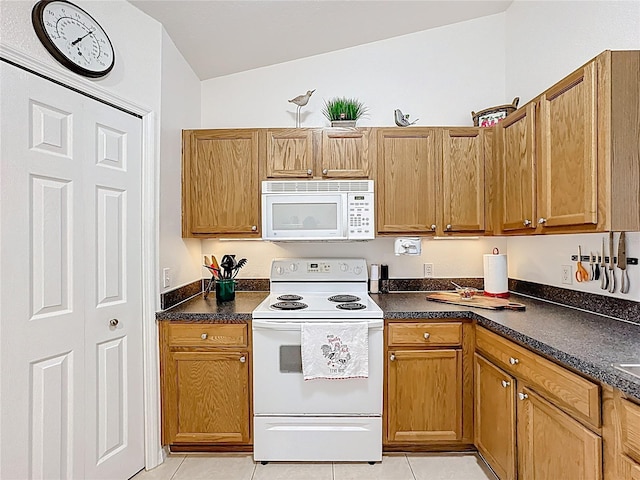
x=343 y=111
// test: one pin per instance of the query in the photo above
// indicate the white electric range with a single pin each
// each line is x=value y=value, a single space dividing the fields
x=321 y=419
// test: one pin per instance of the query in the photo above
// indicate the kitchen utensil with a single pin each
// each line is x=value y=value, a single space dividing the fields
x=226 y=266
x=214 y=271
x=241 y=263
x=612 y=280
x=592 y=273
x=604 y=281
x=622 y=263
x=581 y=273
x=596 y=267
x=478 y=301
x=214 y=262
x=207 y=262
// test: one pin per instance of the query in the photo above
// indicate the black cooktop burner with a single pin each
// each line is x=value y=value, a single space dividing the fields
x=344 y=298
x=289 y=305
x=289 y=298
x=351 y=306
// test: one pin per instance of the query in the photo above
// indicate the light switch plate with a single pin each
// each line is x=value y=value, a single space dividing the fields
x=166 y=277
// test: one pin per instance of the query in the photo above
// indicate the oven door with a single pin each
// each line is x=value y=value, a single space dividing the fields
x=280 y=389
x=304 y=217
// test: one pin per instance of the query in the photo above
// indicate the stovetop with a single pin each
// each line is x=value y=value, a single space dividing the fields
x=318 y=308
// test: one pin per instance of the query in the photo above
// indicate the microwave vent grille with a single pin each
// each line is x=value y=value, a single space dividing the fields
x=320 y=186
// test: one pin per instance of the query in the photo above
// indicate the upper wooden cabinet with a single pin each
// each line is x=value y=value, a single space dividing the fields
x=463 y=185
x=319 y=153
x=580 y=154
x=220 y=183
x=406 y=190
x=515 y=145
x=289 y=153
x=431 y=180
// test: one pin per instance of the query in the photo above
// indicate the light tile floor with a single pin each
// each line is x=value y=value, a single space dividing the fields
x=413 y=466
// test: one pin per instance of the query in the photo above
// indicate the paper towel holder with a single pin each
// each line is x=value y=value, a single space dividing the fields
x=407 y=246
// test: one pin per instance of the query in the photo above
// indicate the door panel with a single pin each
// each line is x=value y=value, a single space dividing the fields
x=71 y=384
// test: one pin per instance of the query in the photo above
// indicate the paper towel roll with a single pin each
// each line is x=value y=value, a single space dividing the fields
x=373 y=278
x=496 y=283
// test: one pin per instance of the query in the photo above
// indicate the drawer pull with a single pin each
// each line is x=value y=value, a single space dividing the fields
x=392 y=357
x=513 y=361
x=526 y=222
x=542 y=220
x=426 y=335
x=505 y=384
x=325 y=171
x=309 y=172
x=243 y=359
x=204 y=336
x=522 y=396
x=433 y=227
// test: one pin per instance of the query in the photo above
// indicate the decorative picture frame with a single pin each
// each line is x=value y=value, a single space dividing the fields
x=491 y=116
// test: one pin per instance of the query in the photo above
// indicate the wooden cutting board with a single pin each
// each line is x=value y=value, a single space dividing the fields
x=479 y=301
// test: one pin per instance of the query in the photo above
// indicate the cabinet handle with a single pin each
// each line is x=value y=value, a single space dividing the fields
x=526 y=222
x=433 y=227
x=254 y=228
x=204 y=336
x=513 y=361
x=392 y=357
x=243 y=359
x=325 y=171
x=448 y=226
x=522 y=396
x=309 y=172
x=542 y=220
x=505 y=384
x=426 y=335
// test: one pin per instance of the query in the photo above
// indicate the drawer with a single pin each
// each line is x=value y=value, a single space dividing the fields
x=630 y=431
x=569 y=391
x=208 y=335
x=425 y=334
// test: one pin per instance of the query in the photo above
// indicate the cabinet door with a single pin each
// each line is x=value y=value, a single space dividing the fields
x=346 y=154
x=463 y=180
x=289 y=153
x=551 y=444
x=516 y=146
x=495 y=417
x=407 y=180
x=207 y=397
x=424 y=396
x=568 y=151
x=221 y=194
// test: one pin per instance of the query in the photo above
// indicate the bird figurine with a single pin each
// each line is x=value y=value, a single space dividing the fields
x=402 y=120
x=301 y=101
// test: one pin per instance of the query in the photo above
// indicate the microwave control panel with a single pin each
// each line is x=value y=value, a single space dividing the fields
x=360 y=216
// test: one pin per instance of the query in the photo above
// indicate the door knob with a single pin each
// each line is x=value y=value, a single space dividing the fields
x=448 y=226
x=433 y=227
x=542 y=221
x=254 y=228
x=522 y=396
x=526 y=222
x=392 y=357
x=204 y=336
x=426 y=335
x=325 y=171
x=243 y=359
x=505 y=384
x=513 y=361
x=113 y=322
x=309 y=172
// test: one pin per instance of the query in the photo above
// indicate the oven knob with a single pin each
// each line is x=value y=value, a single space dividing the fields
x=279 y=270
x=344 y=267
x=293 y=267
x=357 y=270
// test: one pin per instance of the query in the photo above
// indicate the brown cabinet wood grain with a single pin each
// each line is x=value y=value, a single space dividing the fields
x=220 y=183
x=347 y=153
x=289 y=153
x=495 y=417
x=205 y=384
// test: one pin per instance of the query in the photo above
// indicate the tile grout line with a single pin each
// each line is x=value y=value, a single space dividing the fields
x=410 y=467
x=184 y=457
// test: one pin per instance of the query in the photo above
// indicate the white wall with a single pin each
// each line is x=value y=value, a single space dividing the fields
x=437 y=76
x=180 y=109
x=545 y=41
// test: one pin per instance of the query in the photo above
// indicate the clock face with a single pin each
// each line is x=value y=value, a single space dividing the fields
x=73 y=37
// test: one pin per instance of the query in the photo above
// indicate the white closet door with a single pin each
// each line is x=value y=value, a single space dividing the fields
x=60 y=364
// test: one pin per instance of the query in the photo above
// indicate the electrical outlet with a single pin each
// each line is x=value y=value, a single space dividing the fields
x=428 y=270
x=567 y=274
x=166 y=277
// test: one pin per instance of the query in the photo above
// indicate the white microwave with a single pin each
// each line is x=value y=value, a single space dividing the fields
x=318 y=210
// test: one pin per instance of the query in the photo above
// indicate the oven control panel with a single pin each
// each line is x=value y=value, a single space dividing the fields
x=306 y=269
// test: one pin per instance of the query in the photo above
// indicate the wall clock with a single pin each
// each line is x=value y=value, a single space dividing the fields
x=73 y=37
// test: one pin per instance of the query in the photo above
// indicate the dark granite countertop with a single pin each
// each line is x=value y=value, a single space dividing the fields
x=584 y=341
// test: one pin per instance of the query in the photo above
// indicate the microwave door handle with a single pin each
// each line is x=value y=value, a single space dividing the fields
x=345 y=217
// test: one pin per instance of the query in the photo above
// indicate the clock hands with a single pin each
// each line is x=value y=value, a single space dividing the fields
x=77 y=40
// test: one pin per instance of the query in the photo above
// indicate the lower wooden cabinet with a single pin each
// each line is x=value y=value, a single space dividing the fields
x=428 y=385
x=527 y=425
x=205 y=378
x=495 y=417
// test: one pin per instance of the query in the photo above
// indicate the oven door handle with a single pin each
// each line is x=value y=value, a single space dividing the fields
x=293 y=326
